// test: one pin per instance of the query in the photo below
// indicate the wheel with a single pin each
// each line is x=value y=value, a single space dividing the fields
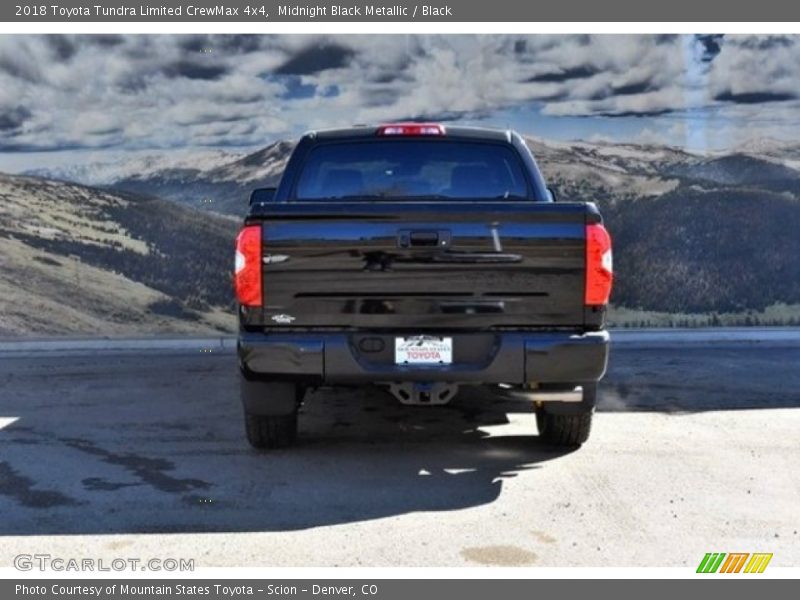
x=564 y=430
x=267 y=432
x=567 y=426
x=270 y=411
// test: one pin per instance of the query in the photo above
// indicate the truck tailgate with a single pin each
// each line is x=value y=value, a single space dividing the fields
x=423 y=265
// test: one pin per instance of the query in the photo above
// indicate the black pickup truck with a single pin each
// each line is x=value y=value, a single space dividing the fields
x=420 y=258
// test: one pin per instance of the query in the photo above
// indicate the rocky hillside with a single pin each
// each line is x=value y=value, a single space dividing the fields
x=75 y=259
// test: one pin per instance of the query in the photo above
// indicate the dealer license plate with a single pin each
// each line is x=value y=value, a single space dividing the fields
x=423 y=350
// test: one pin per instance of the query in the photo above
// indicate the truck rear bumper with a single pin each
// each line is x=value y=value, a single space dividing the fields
x=513 y=358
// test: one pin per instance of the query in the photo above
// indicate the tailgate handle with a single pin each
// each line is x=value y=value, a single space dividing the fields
x=407 y=238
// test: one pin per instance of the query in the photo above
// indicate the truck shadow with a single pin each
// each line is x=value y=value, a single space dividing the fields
x=155 y=443
x=174 y=465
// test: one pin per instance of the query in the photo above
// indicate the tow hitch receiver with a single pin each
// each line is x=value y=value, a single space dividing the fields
x=423 y=394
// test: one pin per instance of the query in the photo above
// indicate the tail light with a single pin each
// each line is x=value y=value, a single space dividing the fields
x=599 y=265
x=411 y=129
x=247 y=274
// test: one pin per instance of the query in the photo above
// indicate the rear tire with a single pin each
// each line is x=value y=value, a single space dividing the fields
x=567 y=428
x=270 y=411
x=270 y=432
x=569 y=431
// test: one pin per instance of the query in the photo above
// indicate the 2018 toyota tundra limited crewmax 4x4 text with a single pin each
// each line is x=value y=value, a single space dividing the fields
x=420 y=258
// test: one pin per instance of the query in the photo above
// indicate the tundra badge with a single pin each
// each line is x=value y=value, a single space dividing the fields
x=283 y=319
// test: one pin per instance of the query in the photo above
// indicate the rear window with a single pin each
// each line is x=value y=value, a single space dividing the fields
x=419 y=169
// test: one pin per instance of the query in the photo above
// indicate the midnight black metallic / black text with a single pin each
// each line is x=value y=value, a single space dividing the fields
x=313 y=11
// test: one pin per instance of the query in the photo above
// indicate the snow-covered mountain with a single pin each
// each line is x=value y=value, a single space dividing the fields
x=224 y=187
x=106 y=168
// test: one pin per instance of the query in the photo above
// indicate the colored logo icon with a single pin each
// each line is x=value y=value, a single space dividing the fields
x=734 y=562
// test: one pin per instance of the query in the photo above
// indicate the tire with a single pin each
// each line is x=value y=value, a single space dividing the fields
x=270 y=432
x=568 y=431
x=570 y=428
x=270 y=411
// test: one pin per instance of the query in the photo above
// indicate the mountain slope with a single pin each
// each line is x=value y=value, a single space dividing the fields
x=224 y=188
x=584 y=171
x=75 y=259
x=740 y=170
x=107 y=167
x=729 y=249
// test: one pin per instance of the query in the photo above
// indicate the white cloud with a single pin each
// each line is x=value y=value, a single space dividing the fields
x=176 y=91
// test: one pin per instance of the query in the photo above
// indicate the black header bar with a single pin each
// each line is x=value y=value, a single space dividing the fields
x=259 y=11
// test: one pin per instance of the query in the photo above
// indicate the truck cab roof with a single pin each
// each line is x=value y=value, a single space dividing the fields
x=448 y=132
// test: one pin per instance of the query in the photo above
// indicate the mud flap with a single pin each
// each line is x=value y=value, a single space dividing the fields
x=268 y=398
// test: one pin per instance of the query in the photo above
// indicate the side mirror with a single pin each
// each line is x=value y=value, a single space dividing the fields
x=259 y=195
x=551 y=193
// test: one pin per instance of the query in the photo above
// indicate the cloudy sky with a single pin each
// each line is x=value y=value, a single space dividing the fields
x=71 y=94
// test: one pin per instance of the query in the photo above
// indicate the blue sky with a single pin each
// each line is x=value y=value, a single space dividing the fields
x=64 y=96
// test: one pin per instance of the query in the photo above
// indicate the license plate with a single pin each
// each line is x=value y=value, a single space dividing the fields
x=423 y=350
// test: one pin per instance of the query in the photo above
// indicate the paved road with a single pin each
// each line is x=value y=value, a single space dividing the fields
x=140 y=453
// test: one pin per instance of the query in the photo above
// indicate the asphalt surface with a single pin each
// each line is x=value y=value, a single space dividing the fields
x=139 y=451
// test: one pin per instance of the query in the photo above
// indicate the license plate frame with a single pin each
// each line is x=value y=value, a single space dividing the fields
x=423 y=350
